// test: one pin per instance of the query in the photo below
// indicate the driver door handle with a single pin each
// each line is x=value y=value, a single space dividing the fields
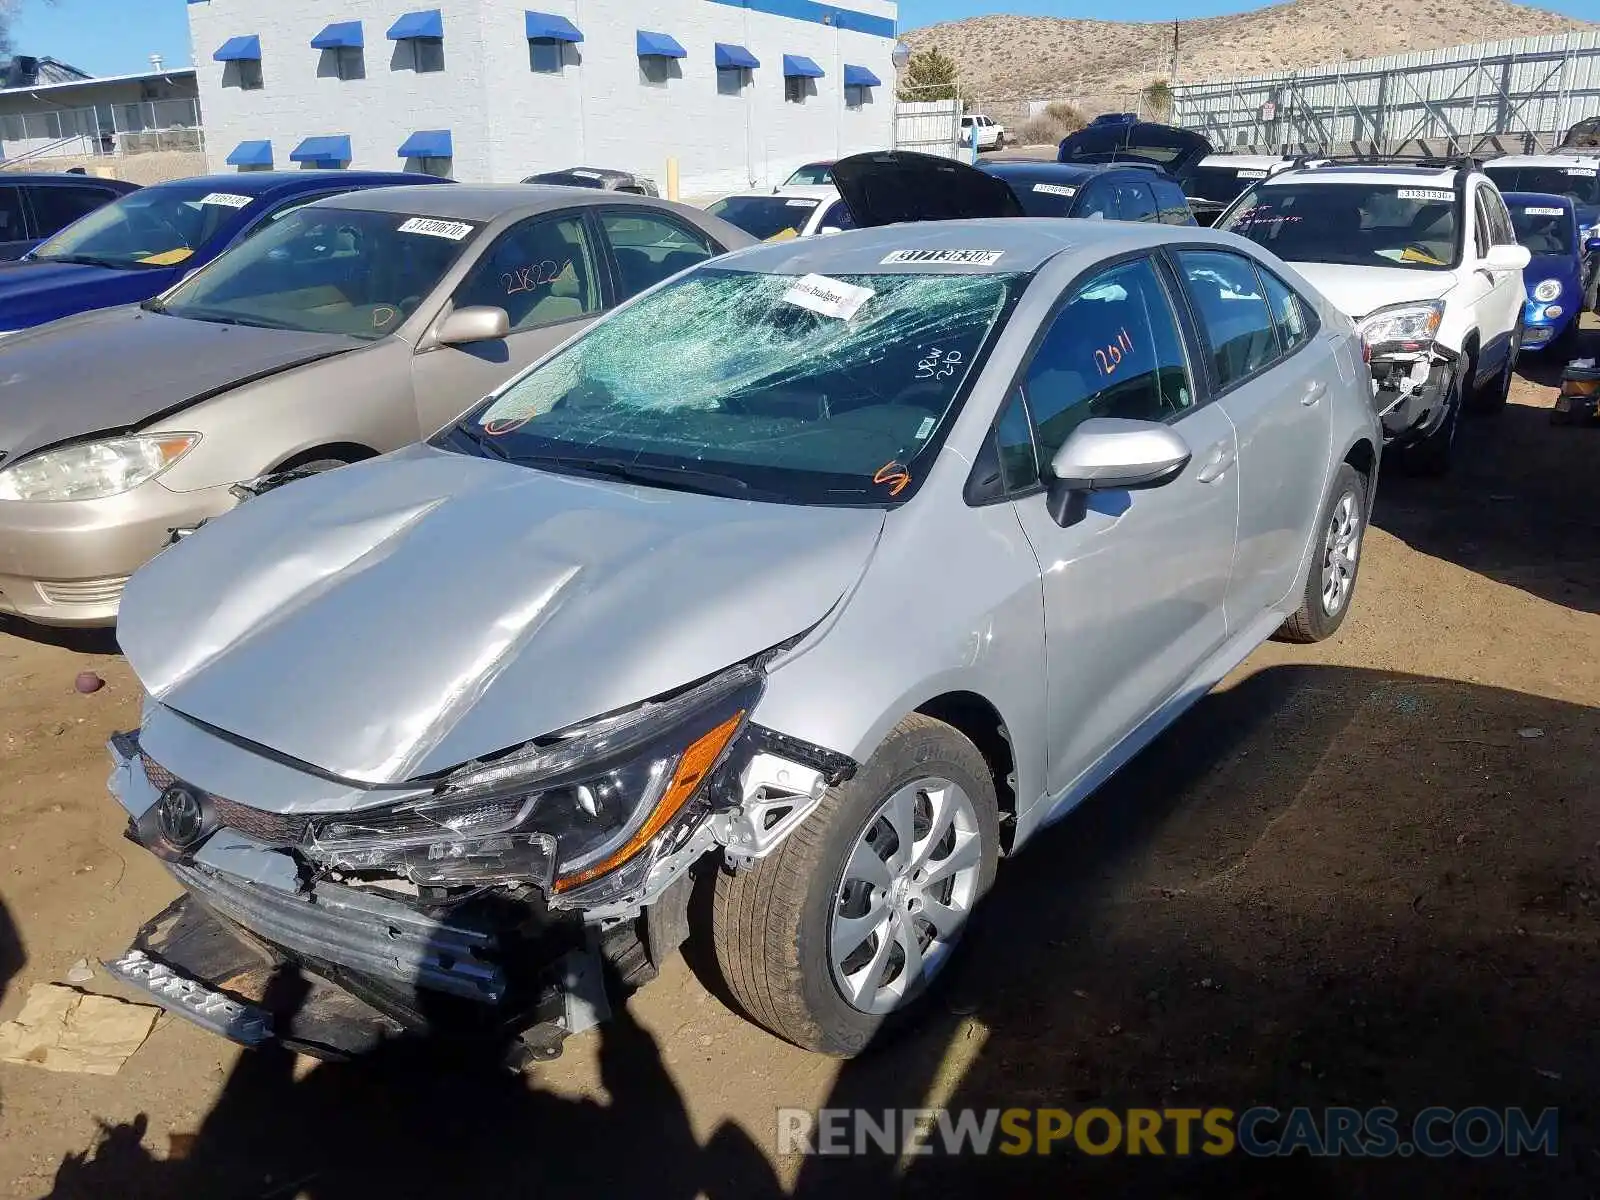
x=1314 y=393
x=1222 y=457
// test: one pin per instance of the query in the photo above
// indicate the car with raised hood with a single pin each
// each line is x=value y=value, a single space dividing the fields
x=34 y=207
x=1573 y=175
x=1425 y=259
x=1123 y=138
x=603 y=178
x=140 y=245
x=1104 y=191
x=451 y=728
x=346 y=328
x=1554 y=277
x=786 y=213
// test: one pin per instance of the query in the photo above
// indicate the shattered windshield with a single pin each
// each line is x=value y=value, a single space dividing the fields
x=804 y=389
x=1357 y=224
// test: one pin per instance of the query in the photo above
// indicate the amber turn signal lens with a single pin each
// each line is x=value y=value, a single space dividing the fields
x=697 y=760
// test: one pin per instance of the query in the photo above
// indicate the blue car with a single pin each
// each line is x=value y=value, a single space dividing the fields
x=140 y=245
x=1555 y=276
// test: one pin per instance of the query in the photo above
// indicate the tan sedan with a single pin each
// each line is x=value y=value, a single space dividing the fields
x=345 y=329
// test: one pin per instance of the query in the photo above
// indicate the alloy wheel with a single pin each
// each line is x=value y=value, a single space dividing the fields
x=1341 y=548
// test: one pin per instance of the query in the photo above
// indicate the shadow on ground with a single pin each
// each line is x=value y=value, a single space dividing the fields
x=1324 y=886
x=79 y=641
x=1522 y=505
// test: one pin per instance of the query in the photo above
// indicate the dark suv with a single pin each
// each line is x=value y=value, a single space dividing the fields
x=1115 y=192
x=34 y=207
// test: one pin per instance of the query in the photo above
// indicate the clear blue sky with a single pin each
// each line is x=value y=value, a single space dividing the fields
x=95 y=34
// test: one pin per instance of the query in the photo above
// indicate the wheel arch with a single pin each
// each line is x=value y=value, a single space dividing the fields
x=978 y=720
x=348 y=452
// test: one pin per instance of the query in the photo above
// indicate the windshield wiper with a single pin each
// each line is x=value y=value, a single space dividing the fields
x=684 y=479
x=80 y=260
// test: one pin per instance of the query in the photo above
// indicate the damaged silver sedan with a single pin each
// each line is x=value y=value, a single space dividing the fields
x=818 y=577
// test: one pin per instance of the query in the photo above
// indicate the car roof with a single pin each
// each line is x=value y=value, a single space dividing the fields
x=1046 y=172
x=471 y=202
x=261 y=183
x=1243 y=161
x=1545 y=160
x=1022 y=243
x=1369 y=173
x=1539 y=199
x=50 y=177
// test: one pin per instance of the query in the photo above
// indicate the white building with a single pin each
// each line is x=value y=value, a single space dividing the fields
x=739 y=92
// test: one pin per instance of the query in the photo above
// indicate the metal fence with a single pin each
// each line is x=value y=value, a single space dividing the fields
x=928 y=127
x=1025 y=118
x=1520 y=94
x=104 y=130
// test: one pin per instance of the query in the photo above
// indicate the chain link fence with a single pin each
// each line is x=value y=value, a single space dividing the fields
x=104 y=130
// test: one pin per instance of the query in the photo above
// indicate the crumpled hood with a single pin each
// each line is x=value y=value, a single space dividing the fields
x=405 y=615
x=1357 y=291
x=113 y=370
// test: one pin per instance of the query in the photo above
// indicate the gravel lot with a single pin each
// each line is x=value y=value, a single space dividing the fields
x=1361 y=873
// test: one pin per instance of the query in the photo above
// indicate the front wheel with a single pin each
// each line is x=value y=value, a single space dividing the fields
x=848 y=922
x=1331 y=582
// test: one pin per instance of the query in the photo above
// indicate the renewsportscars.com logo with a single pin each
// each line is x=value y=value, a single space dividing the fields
x=1260 y=1132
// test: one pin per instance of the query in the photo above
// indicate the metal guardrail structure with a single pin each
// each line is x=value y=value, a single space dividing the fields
x=103 y=130
x=1518 y=95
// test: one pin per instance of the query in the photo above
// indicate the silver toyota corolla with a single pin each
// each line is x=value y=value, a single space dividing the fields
x=838 y=568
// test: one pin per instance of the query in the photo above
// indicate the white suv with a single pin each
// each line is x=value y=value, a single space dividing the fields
x=1425 y=260
x=990 y=133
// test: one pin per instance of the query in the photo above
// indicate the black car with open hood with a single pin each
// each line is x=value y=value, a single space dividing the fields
x=887 y=187
x=1176 y=151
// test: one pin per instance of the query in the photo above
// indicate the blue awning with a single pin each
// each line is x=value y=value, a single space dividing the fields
x=428 y=143
x=339 y=35
x=240 y=49
x=860 y=77
x=424 y=23
x=801 y=66
x=251 y=154
x=334 y=147
x=658 y=45
x=730 y=55
x=551 y=28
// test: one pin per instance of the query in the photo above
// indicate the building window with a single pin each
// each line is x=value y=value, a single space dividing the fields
x=731 y=81
x=421 y=54
x=439 y=168
x=244 y=74
x=349 y=62
x=856 y=96
x=796 y=88
x=546 y=55
x=657 y=71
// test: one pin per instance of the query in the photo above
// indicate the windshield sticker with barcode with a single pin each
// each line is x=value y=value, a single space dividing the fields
x=433 y=227
x=1055 y=189
x=801 y=203
x=830 y=297
x=1252 y=175
x=228 y=199
x=580 y=173
x=1579 y=170
x=1429 y=194
x=962 y=258
x=1545 y=212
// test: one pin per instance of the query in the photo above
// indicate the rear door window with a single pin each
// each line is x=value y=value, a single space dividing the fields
x=13 y=228
x=1098 y=199
x=1135 y=202
x=649 y=246
x=1290 y=314
x=1233 y=311
x=56 y=207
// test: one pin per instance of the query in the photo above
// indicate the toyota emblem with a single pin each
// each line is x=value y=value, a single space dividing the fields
x=183 y=818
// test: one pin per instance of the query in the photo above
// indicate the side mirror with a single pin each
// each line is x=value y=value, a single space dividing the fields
x=1592 y=246
x=1507 y=258
x=477 y=323
x=1109 y=454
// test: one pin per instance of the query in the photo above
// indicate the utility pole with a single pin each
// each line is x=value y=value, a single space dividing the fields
x=1172 y=67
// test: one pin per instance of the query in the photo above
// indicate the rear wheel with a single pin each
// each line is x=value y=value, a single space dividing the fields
x=848 y=922
x=1331 y=582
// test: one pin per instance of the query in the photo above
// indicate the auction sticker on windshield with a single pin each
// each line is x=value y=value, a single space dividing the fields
x=1427 y=194
x=1252 y=175
x=965 y=258
x=433 y=227
x=1544 y=212
x=228 y=199
x=830 y=297
x=1055 y=189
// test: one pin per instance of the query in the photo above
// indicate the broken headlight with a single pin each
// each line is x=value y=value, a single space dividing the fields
x=1406 y=328
x=559 y=813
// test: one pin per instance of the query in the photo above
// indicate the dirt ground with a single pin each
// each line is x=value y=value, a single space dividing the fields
x=1361 y=873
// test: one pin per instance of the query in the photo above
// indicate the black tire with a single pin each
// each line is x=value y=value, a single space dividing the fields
x=1000 y=142
x=1433 y=455
x=1312 y=622
x=771 y=924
